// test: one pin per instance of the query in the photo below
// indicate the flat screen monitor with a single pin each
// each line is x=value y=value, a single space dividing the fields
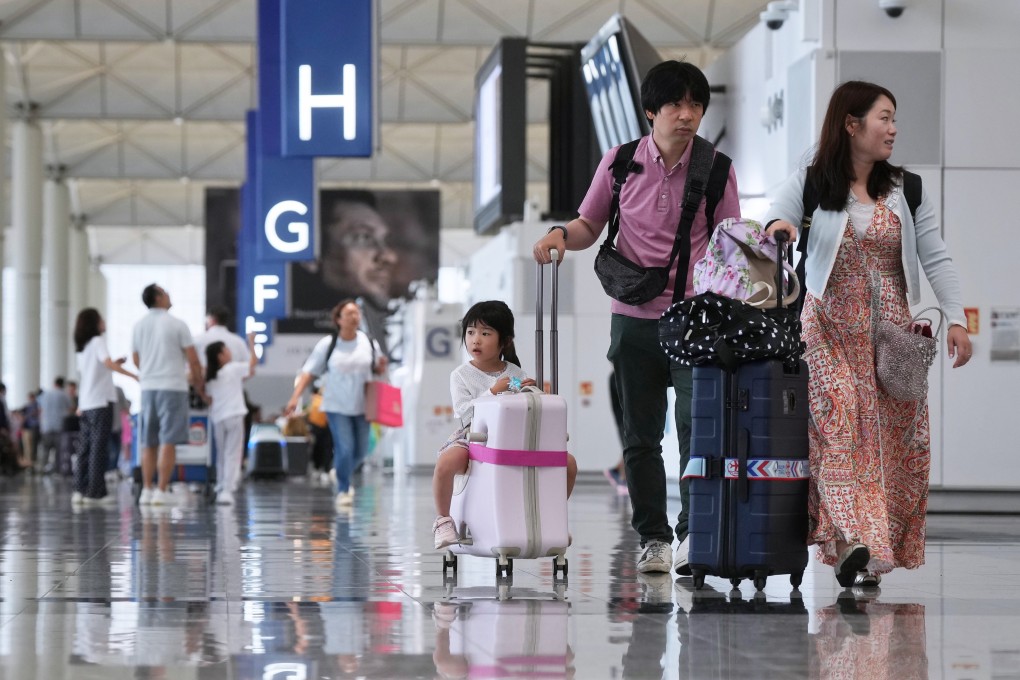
x=613 y=64
x=500 y=136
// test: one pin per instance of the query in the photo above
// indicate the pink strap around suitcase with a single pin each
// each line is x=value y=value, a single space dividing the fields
x=517 y=457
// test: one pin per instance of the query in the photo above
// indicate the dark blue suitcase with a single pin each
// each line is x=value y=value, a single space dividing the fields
x=749 y=472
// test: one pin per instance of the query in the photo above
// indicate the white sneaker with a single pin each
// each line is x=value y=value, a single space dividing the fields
x=160 y=497
x=146 y=497
x=344 y=499
x=680 y=562
x=224 y=498
x=656 y=557
x=77 y=498
x=445 y=532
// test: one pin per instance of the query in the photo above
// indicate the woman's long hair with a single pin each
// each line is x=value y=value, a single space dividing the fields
x=832 y=170
x=496 y=315
x=212 y=360
x=86 y=327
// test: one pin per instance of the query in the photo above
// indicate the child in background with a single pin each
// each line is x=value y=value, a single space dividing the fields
x=488 y=335
x=224 y=379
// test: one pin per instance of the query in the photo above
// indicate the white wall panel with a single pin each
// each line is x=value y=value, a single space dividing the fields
x=980 y=400
x=931 y=180
x=981 y=101
x=971 y=24
x=862 y=25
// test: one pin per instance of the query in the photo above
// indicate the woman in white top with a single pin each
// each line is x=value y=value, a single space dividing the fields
x=224 y=386
x=96 y=395
x=345 y=359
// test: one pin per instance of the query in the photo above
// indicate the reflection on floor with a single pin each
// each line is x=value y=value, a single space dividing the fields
x=282 y=587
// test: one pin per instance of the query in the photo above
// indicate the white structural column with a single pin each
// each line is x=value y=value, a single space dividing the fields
x=97 y=288
x=26 y=226
x=56 y=225
x=77 y=278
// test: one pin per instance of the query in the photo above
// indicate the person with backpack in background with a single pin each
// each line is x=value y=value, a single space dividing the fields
x=662 y=194
x=347 y=359
x=870 y=454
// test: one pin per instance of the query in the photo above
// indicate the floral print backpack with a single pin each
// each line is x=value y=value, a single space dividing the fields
x=740 y=263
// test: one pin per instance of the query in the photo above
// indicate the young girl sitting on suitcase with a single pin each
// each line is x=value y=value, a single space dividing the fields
x=488 y=335
x=224 y=379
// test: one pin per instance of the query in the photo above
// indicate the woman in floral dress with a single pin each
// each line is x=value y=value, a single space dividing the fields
x=870 y=454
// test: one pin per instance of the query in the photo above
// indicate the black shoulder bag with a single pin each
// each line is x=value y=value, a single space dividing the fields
x=630 y=283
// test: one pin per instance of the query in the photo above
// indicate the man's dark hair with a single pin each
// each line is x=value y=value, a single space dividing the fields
x=220 y=314
x=150 y=294
x=672 y=81
x=59 y=382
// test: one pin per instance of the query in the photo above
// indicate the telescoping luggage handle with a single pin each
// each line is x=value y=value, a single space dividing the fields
x=782 y=251
x=554 y=340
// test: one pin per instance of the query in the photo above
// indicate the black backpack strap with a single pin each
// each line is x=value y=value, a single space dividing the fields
x=329 y=352
x=810 y=202
x=912 y=191
x=716 y=187
x=698 y=172
x=623 y=164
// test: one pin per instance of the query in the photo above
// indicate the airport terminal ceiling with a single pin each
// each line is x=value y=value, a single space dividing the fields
x=143 y=101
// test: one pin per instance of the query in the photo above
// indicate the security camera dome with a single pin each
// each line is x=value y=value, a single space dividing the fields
x=893 y=8
x=773 y=19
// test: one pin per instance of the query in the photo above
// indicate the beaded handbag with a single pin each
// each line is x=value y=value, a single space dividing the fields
x=904 y=355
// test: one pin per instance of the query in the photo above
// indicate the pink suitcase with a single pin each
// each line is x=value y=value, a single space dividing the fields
x=512 y=503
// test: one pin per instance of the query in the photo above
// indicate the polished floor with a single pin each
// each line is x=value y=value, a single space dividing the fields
x=283 y=587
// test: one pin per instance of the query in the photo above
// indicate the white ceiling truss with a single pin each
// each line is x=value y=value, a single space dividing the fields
x=143 y=101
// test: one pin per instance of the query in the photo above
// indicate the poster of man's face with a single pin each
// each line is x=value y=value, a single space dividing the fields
x=372 y=245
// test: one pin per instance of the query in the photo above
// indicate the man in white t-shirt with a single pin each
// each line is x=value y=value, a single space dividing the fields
x=218 y=330
x=163 y=350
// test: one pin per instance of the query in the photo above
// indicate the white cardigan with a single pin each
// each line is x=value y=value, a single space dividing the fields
x=921 y=242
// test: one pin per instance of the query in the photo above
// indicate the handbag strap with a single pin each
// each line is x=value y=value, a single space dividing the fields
x=942 y=318
x=874 y=279
x=699 y=172
x=874 y=285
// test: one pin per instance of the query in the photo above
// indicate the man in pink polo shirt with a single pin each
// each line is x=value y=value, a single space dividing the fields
x=674 y=96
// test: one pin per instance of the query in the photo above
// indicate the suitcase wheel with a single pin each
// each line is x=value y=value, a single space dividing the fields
x=759 y=581
x=735 y=582
x=449 y=562
x=699 y=580
x=559 y=564
x=796 y=579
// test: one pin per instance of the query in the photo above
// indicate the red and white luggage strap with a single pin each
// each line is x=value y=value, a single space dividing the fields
x=778 y=469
